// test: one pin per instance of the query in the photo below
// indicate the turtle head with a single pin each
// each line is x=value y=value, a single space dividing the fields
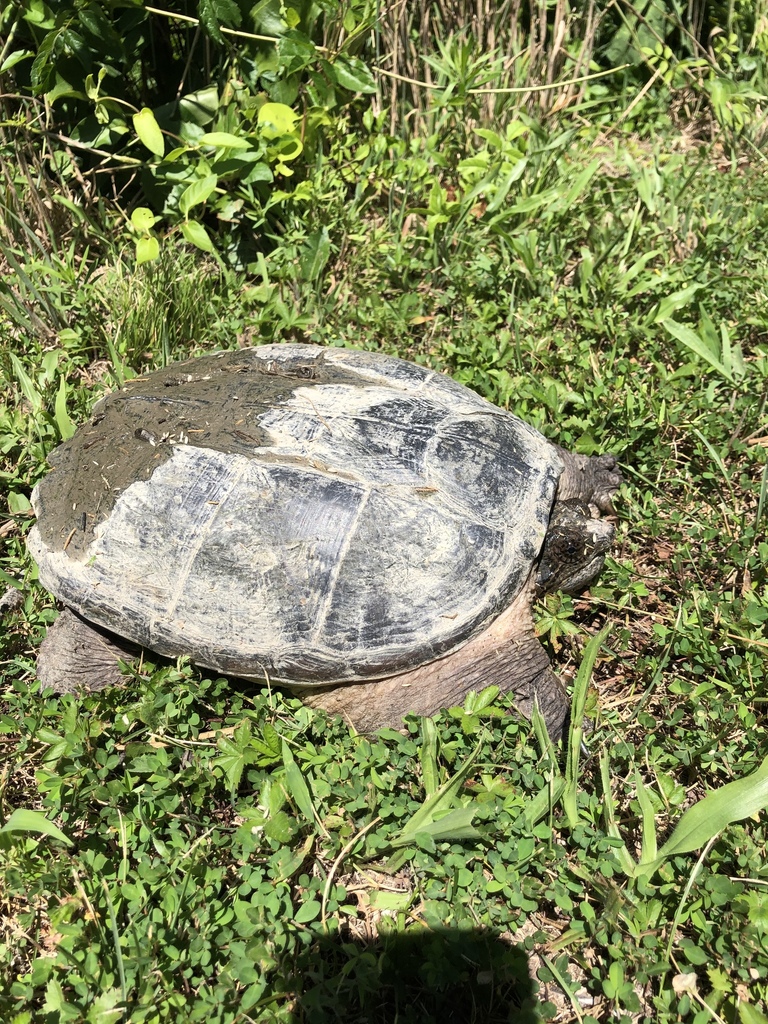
x=574 y=547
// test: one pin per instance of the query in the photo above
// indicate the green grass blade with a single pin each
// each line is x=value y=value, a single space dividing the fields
x=582 y=180
x=733 y=357
x=761 y=501
x=688 y=337
x=296 y=786
x=749 y=1014
x=576 y=732
x=436 y=807
x=454 y=826
x=64 y=424
x=23 y=820
x=720 y=807
x=428 y=756
x=116 y=940
x=649 y=847
x=627 y=862
x=28 y=389
x=678 y=300
x=543 y=738
x=543 y=803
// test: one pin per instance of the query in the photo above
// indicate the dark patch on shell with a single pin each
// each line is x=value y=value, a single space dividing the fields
x=215 y=404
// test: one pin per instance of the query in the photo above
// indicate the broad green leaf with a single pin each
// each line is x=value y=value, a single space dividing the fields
x=50 y=364
x=732 y=802
x=199 y=107
x=37 y=12
x=106 y=1007
x=65 y=425
x=234 y=754
x=42 y=72
x=351 y=73
x=718 y=808
x=195 y=233
x=749 y=1014
x=296 y=786
x=214 y=13
x=696 y=344
x=267 y=18
x=92 y=85
x=475 y=703
x=148 y=130
x=678 y=300
x=143 y=219
x=147 y=249
x=259 y=172
x=13 y=59
x=315 y=255
x=23 y=820
x=268 y=746
x=224 y=140
x=288 y=148
x=349 y=21
x=18 y=503
x=380 y=899
x=430 y=816
x=288 y=862
x=490 y=136
x=277 y=119
x=308 y=912
x=197 y=193
x=54 y=997
x=280 y=827
x=28 y=389
x=292 y=17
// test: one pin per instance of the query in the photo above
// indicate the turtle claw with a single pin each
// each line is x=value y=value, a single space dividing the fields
x=594 y=479
x=607 y=478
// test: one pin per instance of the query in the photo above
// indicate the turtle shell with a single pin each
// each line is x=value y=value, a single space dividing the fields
x=308 y=514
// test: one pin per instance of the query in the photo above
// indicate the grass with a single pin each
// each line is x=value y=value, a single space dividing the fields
x=237 y=857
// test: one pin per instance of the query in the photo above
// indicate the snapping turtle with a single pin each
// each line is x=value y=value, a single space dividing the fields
x=348 y=524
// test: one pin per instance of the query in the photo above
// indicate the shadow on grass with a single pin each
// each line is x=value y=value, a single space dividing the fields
x=430 y=977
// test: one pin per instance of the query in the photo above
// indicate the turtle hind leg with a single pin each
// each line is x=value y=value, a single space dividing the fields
x=76 y=655
x=383 y=703
x=594 y=479
x=507 y=654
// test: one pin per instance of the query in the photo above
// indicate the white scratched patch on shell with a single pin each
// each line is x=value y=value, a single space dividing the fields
x=245 y=565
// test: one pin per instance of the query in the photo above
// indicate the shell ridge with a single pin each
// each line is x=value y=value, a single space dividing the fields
x=324 y=610
x=187 y=565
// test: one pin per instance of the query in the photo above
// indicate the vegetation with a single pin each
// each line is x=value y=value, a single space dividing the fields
x=592 y=256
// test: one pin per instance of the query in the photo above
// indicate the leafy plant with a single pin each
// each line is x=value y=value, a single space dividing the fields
x=601 y=272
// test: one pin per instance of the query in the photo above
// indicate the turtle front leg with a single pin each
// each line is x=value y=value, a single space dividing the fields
x=76 y=655
x=594 y=479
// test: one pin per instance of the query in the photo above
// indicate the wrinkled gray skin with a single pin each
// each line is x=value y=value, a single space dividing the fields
x=365 y=531
x=575 y=546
